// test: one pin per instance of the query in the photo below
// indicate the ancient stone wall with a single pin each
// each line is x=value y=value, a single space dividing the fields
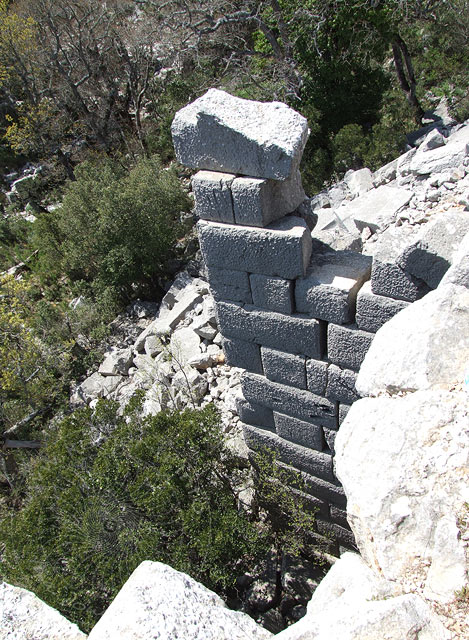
x=296 y=314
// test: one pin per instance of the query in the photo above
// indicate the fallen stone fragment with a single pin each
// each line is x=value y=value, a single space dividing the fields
x=375 y=209
x=442 y=158
x=23 y=616
x=220 y=132
x=117 y=362
x=359 y=182
x=158 y=602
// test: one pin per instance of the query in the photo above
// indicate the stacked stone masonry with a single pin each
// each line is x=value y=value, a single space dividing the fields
x=297 y=315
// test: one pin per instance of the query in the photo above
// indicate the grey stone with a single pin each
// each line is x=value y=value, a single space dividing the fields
x=224 y=133
x=298 y=431
x=406 y=525
x=390 y=280
x=343 y=411
x=347 y=345
x=23 y=616
x=320 y=488
x=433 y=140
x=375 y=209
x=212 y=193
x=153 y=346
x=258 y=202
x=301 y=404
x=292 y=334
x=353 y=603
x=339 y=515
x=185 y=302
x=335 y=531
x=191 y=384
x=341 y=384
x=160 y=602
x=284 y=367
x=228 y=284
x=95 y=386
x=359 y=182
x=242 y=354
x=313 y=462
x=329 y=436
x=282 y=249
x=385 y=174
x=458 y=273
x=184 y=345
x=316 y=376
x=274 y=294
x=329 y=289
x=255 y=414
x=423 y=346
x=429 y=257
x=117 y=362
x=373 y=311
x=451 y=155
x=157 y=328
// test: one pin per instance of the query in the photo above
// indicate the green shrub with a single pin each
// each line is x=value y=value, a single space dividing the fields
x=115 y=230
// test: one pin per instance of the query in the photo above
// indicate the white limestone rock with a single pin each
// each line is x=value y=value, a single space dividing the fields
x=184 y=346
x=95 y=386
x=117 y=362
x=458 y=273
x=359 y=182
x=23 y=616
x=405 y=501
x=353 y=603
x=443 y=158
x=223 y=133
x=160 y=603
x=423 y=346
x=375 y=209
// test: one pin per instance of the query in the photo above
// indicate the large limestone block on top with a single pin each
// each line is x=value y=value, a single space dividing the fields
x=449 y=156
x=352 y=603
x=160 y=603
x=224 y=133
x=403 y=463
x=23 y=616
x=425 y=345
x=282 y=249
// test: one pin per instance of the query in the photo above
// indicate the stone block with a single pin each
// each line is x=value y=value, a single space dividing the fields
x=319 y=488
x=329 y=436
x=258 y=202
x=282 y=249
x=458 y=273
x=284 y=367
x=390 y=280
x=228 y=284
x=347 y=345
x=329 y=289
x=298 y=431
x=430 y=256
x=373 y=311
x=444 y=158
x=242 y=354
x=224 y=133
x=316 y=376
x=274 y=294
x=341 y=385
x=255 y=414
x=315 y=463
x=343 y=410
x=301 y=404
x=339 y=516
x=375 y=209
x=212 y=193
x=341 y=534
x=359 y=181
x=292 y=334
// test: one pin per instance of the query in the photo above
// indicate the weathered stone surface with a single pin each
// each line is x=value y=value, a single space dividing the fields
x=191 y=385
x=158 y=328
x=258 y=202
x=242 y=354
x=23 y=616
x=284 y=367
x=430 y=256
x=375 y=209
x=432 y=354
x=442 y=158
x=255 y=414
x=316 y=463
x=359 y=182
x=301 y=404
x=185 y=302
x=281 y=249
x=95 y=386
x=298 y=431
x=390 y=280
x=184 y=346
x=117 y=362
x=274 y=294
x=373 y=311
x=406 y=525
x=341 y=384
x=293 y=334
x=316 y=376
x=228 y=284
x=352 y=603
x=458 y=273
x=329 y=289
x=224 y=133
x=329 y=436
x=347 y=345
x=158 y=602
x=212 y=193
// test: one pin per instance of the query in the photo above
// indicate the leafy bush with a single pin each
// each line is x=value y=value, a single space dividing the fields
x=156 y=488
x=115 y=230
